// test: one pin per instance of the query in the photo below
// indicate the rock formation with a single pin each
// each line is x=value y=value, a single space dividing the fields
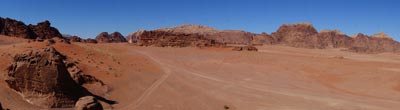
x=42 y=78
x=381 y=35
x=220 y=36
x=89 y=40
x=88 y=103
x=304 y=35
x=114 y=37
x=190 y=29
x=260 y=39
x=169 y=39
x=366 y=44
x=245 y=48
x=43 y=30
x=331 y=39
x=232 y=37
x=296 y=35
x=11 y=27
x=75 y=39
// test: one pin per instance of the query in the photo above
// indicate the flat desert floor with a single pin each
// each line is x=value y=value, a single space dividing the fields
x=275 y=78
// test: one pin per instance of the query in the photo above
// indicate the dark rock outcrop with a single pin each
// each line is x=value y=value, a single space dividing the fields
x=11 y=27
x=75 y=39
x=42 y=78
x=89 y=40
x=245 y=48
x=114 y=37
x=88 y=103
x=43 y=30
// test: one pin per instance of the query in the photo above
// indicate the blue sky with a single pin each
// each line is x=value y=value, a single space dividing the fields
x=87 y=18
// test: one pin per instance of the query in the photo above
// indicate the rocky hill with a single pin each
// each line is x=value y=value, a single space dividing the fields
x=304 y=35
x=219 y=36
x=114 y=37
x=171 y=39
x=42 y=30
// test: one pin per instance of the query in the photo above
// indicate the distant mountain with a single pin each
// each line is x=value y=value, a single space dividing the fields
x=301 y=35
x=305 y=35
x=221 y=36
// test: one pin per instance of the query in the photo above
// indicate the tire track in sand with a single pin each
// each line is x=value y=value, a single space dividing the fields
x=154 y=86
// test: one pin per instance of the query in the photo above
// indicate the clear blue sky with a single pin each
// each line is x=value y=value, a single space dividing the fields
x=87 y=18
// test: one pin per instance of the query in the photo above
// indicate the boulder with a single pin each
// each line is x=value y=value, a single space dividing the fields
x=245 y=48
x=88 y=103
x=42 y=78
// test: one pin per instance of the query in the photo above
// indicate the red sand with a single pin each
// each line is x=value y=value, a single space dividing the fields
x=275 y=78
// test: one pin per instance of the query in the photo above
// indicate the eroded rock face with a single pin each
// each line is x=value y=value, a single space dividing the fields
x=88 y=103
x=364 y=44
x=332 y=39
x=42 y=78
x=170 y=39
x=231 y=37
x=220 y=36
x=296 y=35
x=11 y=27
x=263 y=38
x=114 y=37
x=43 y=30
x=305 y=36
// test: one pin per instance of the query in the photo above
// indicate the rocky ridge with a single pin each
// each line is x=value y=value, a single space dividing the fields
x=42 y=30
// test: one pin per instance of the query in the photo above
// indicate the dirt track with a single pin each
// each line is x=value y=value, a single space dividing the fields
x=278 y=78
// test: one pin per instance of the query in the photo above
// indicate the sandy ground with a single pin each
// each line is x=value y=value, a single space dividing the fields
x=275 y=78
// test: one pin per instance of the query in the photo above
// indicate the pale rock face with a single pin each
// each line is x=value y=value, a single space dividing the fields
x=381 y=35
x=88 y=103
